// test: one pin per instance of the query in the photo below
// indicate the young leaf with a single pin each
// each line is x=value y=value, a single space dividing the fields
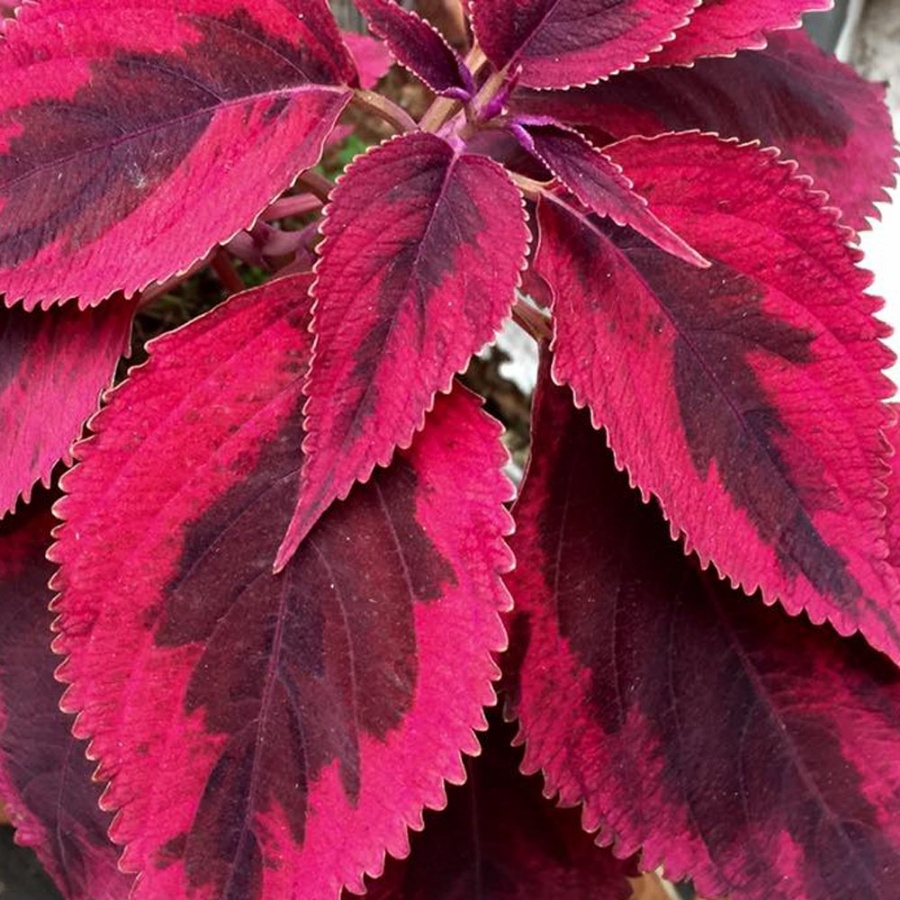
x=305 y=720
x=745 y=396
x=421 y=257
x=719 y=28
x=419 y=47
x=45 y=779
x=500 y=839
x=753 y=752
x=135 y=135
x=791 y=95
x=599 y=183
x=559 y=43
x=53 y=366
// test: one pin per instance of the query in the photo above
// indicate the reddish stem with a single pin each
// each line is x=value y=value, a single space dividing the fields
x=155 y=291
x=295 y=205
x=316 y=184
x=224 y=269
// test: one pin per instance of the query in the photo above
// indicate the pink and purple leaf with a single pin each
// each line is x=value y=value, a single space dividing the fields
x=791 y=96
x=305 y=722
x=500 y=839
x=422 y=254
x=54 y=365
x=45 y=779
x=134 y=135
x=419 y=47
x=751 y=752
x=561 y=43
x=747 y=396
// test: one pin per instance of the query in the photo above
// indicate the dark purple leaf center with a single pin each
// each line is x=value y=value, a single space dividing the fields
x=700 y=647
x=297 y=667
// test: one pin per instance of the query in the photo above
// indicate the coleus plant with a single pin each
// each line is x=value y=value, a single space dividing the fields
x=282 y=578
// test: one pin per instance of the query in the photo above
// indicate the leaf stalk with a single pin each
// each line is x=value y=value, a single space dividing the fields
x=385 y=109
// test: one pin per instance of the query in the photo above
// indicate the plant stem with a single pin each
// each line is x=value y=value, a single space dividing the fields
x=490 y=89
x=536 y=323
x=445 y=108
x=528 y=186
x=385 y=109
x=227 y=274
x=146 y=297
x=309 y=236
x=295 y=205
x=316 y=184
x=438 y=113
x=475 y=60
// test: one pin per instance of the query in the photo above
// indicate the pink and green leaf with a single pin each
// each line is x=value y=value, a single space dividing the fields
x=500 y=839
x=747 y=396
x=719 y=27
x=305 y=720
x=791 y=95
x=419 y=47
x=53 y=367
x=135 y=135
x=45 y=779
x=599 y=183
x=422 y=254
x=751 y=752
x=560 y=43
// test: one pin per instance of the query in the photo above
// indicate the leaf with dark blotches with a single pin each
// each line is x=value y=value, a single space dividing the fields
x=559 y=43
x=419 y=47
x=500 y=839
x=791 y=95
x=746 y=396
x=719 y=27
x=598 y=183
x=305 y=719
x=45 y=779
x=422 y=254
x=53 y=366
x=137 y=134
x=753 y=752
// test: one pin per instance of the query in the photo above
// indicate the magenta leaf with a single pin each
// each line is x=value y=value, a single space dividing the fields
x=745 y=396
x=419 y=47
x=791 y=95
x=559 y=43
x=45 y=779
x=305 y=720
x=500 y=839
x=753 y=752
x=371 y=57
x=719 y=27
x=53 y=366
x=422 y=253
x=135 y=135
x=599 y=184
